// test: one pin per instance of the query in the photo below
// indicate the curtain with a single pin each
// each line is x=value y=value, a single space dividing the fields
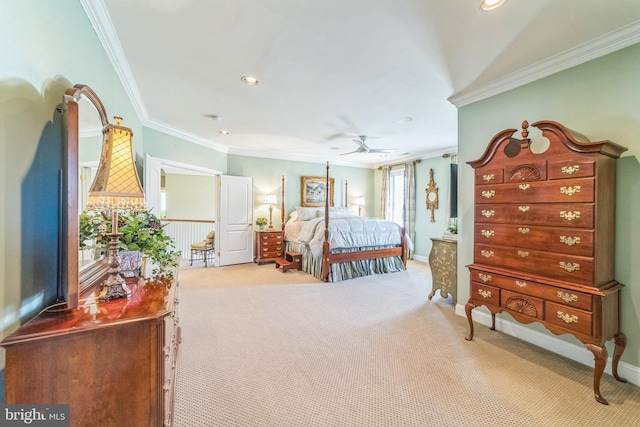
x=384 y=193
x=410 y=202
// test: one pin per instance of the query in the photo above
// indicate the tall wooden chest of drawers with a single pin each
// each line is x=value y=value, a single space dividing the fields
x=544 y=237
x=269 y=246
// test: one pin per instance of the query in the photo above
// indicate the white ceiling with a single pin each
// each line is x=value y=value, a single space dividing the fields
x=330 y=70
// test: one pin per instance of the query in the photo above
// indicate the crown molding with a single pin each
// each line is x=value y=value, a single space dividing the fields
x=298 y=158
x=608 y=43
x=178 y=133
x=99 y=17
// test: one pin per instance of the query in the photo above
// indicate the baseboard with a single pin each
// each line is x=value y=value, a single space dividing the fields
x=571 y=351
x=421 y=258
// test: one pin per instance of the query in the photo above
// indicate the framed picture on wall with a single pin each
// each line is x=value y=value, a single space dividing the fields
x=314 y=191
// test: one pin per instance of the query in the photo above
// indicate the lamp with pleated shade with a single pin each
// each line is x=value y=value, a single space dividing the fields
x=116 y=187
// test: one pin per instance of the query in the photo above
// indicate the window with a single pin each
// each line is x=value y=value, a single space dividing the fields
x=395 y=212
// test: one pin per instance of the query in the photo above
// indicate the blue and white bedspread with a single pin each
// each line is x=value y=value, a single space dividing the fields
x=347 y=232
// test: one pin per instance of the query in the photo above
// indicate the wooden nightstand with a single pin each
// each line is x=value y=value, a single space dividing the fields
x=269 y=246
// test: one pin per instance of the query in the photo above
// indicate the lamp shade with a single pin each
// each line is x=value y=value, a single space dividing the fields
x=358 y=201
x=270 y=199
x=116 y=185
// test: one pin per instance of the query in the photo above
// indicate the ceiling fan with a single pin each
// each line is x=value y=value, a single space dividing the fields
x=364 y=148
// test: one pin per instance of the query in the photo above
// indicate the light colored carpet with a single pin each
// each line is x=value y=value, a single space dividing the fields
x=263 y=348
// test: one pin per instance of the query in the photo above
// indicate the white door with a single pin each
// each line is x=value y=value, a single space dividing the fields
x=152 y=184
x=234 y=224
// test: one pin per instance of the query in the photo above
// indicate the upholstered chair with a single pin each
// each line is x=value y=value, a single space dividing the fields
x=204 y=248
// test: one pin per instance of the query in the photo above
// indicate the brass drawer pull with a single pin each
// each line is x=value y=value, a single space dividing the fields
x=484 y=277
x=488 y=214
x=484 y=294
x=524 y=186
x=568 y=318
x=521 y=284
x=488 y=233
x=523 y=254
x=486 y=254
x=570 y=267
x=488 y=193
x=569 y=241
x=523 y=230
x=570 y=169
x=569 y=216
x=488 y=177
x=567 y=297
x=523 y=208
x=570 y=191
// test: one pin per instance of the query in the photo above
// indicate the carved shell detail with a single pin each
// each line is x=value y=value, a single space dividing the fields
x=525 y=173
x=522 y=305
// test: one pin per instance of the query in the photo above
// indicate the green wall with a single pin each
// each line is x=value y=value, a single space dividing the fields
x=599 y=99
x=267 y=178
x=169 y=147
x=47 y=47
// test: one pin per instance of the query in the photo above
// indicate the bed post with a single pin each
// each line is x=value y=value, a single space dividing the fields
x=346 y=194
x=325 y=245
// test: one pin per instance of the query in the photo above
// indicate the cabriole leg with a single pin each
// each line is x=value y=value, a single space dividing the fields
x=467 y=309
x=600 y=356
x=621 y=344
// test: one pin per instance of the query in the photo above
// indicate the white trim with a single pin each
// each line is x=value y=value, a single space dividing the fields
x=187 y=169
x=99 y=17
x=608 y=43
x=421 y=258
x=178 y=133
x=574 y=352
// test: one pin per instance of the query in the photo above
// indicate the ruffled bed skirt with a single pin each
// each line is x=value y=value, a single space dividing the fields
x=345 y=270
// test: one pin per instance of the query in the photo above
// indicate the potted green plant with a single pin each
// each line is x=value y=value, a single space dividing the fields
x=140 y=231
x=261 y=222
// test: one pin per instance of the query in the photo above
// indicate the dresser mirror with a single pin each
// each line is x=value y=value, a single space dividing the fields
x=84 y=119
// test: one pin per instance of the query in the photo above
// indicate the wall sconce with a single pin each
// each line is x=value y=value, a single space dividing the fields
x=270 y=199
x=359 y=202
x=116 y=187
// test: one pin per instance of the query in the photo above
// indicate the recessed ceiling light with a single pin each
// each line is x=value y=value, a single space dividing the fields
x=213 y=116
x=406 y=119
x=334 y=148
x=249 y=80
x=490 y=4
x=224 y=132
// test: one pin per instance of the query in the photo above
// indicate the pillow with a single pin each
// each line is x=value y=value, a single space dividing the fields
x=305 y=214
x=293 y=216
x=340 y=212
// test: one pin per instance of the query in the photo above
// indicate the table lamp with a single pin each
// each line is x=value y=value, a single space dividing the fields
x=116 y=187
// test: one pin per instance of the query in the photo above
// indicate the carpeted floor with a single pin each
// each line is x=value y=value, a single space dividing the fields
x=263 y=348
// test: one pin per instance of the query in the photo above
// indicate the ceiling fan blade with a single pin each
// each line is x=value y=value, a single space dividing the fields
x=382 y=150
x=357 y=150
x=351 y=152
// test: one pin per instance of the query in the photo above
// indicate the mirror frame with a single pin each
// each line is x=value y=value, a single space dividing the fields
x=73 y=282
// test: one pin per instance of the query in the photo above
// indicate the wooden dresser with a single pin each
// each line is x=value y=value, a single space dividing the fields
x=113 y=362
x=443 y=262
x=269 y=246
x=544 y=238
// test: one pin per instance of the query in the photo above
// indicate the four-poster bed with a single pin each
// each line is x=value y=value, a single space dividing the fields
x=337 y=244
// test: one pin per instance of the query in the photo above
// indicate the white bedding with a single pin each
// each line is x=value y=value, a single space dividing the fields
x=346 y=232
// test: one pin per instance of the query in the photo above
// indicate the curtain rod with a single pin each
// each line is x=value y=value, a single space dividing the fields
x=399 y=164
